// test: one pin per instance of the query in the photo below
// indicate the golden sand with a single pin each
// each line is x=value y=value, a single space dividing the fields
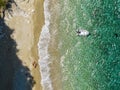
x=27 y=27
x=38 y=23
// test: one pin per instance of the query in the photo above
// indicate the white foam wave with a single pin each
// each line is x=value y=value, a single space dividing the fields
x=43 y=51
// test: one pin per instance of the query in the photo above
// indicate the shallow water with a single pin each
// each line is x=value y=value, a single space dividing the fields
x=83 y=62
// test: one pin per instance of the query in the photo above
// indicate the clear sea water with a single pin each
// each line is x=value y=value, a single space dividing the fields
x=84 y=62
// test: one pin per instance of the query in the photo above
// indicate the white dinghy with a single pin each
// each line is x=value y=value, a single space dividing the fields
x=82 y=32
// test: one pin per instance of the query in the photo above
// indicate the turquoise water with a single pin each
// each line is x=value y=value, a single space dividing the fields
x=93 y=62
x=88 y=62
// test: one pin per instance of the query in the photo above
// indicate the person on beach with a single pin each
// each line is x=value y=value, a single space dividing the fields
x=34 y=64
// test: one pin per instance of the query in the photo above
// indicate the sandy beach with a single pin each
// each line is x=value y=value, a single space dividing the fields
x=26 y=19
x=39 y=21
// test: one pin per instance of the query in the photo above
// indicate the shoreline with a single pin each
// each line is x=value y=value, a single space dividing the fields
x=38 y=19
x=50 y=69
x=43 y=50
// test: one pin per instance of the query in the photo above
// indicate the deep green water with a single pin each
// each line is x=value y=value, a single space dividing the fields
x=93 y=62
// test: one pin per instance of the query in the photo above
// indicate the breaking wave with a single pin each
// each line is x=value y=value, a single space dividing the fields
x=43 y=50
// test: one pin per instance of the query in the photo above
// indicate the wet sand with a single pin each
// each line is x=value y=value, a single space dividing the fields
x=39 y=21
x=55 y=68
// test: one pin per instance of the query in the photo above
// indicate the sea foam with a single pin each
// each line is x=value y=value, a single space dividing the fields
x=43 y=51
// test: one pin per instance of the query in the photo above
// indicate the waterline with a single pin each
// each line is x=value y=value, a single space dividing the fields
x=43 y=50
